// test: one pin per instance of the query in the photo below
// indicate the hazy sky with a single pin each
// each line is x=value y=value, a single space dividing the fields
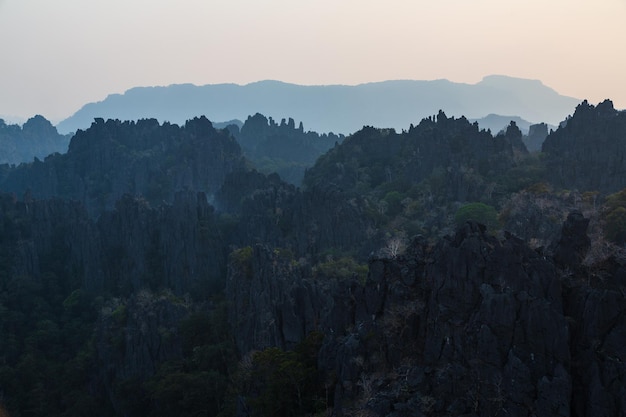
x=60 y=54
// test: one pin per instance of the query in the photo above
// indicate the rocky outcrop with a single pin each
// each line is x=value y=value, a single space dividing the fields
x=140 y=158
x=282 y=148
x=587 y=151
x=573 y=244
x=595 y=306
x=537 y=133
x=536 y=215
x=277 y=300
x=472 y=326
x=513 y=135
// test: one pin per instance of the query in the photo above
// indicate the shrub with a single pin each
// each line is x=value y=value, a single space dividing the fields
x=479 y=212
x=615 y=227
x=615 y=217
x=341 y=268
x=242 y=258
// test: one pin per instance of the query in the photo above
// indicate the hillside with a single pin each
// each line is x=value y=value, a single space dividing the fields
x=435 y=271
x=332 y=108
x=36 y=138
x=140 y=158
x=588 y=152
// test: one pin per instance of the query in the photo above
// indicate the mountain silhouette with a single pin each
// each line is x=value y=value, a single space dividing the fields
x=333 y=108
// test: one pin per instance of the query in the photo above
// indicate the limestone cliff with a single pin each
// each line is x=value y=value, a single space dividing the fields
x=474 y=325
x=587 y=151
x=135 y=246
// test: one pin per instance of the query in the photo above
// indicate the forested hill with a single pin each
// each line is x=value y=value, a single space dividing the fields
x=37 y=138
x=589 y=151
x=140 y=158
x=375 y=157
x=438 y=270
x=333 y=108
x=282 y=148
x=155 y=160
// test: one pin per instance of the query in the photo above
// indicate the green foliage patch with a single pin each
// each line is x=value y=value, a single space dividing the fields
x=479 y=212
x=342 y=268
x=283 y=383
x=615 y=217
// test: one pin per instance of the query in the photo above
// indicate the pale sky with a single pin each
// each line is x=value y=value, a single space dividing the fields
x=57 y=55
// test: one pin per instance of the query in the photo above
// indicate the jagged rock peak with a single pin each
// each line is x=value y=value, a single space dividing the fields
x=572 y=246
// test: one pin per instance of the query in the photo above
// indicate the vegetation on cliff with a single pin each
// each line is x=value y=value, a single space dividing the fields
x=150 y=271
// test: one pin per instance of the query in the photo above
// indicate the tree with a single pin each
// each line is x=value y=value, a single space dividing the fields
x=615 y=217
x=479 y=212
x=396 y=245
x=615 y=228
x=394 y=202
x=283 y=383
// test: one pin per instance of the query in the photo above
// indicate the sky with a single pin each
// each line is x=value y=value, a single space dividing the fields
x=59 y=55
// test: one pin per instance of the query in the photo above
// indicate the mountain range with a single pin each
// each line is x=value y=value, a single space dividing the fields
x=441 y=270
x=333 y=108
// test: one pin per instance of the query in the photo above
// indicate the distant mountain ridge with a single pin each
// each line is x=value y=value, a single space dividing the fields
x=497 y=122
x=333 y=108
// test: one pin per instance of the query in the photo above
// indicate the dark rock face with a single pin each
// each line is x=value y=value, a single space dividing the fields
x=536 y=217
x=513 y=135
x=492 y=308
x=571 y=248
x=587 y=152
x=598 y=351
x=177 y=246
x=471 y=326
x=270 y=299
x=536 y=135
x=596 y=308
x=134 y=338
